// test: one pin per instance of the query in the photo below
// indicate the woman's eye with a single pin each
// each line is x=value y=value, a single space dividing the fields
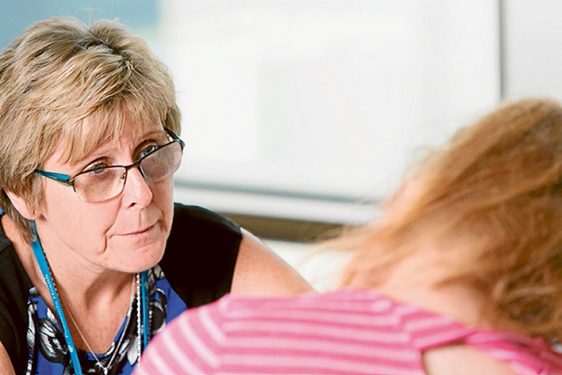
x=147 y=150
x=97 y=168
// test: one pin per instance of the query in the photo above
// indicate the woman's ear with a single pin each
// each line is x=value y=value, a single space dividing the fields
x=22 y=206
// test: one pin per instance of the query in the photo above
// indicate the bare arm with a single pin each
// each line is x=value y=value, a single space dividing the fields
x=463 y=360
x=259 y=270
x=6 y=367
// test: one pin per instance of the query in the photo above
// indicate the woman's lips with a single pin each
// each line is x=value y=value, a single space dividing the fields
x=139 y=232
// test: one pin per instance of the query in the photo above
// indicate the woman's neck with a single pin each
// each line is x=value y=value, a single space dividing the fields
x=77 y=278
x=83 y=291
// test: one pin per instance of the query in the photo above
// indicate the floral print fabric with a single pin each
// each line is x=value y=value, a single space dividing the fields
x=48 y=353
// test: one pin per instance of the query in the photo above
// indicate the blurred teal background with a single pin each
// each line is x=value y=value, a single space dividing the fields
x=16 y=16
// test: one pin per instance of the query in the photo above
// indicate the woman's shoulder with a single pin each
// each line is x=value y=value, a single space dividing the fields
x=197 y=228
x=14 y=289
x=196 y=219
x=201 y=235
x=201 y=254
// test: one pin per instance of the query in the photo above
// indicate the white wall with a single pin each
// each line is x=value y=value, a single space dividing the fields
x=330 y=98
x=533 y=53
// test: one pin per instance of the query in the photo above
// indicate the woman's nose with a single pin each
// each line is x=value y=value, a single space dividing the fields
x=136 y=190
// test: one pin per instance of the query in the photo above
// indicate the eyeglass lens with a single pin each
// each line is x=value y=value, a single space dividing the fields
x=106 y=183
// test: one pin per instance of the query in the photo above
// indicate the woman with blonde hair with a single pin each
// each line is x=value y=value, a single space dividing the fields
x=95 y=257
x=462 y=274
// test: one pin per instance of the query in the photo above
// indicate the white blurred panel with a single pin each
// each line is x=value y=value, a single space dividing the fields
x=324 y=97
x=321 y=268
x=533 y=34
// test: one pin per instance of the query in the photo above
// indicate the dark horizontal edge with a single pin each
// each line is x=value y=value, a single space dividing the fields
x=285 y=229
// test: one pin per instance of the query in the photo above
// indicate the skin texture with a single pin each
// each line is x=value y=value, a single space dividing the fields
x=98 y=247
x=259 y=270
x=462 y=360
x=98 y=257
x=5 y=363
x=415 y=281
x=112 y=241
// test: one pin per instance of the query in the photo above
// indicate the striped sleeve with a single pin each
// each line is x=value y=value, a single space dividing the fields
x=349 y=332
x=310 y=334
x=313 y=334
x=525 y=355
x=429 y=330
x=191 y=345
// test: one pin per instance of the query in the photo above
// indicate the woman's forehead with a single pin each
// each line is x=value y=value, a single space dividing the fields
x=129 y=139
x=94 y=136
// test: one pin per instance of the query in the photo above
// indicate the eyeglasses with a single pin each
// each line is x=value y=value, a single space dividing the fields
x=101 y=183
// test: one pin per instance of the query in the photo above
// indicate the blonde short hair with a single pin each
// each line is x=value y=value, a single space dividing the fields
x=497 y=183
x=63 y=84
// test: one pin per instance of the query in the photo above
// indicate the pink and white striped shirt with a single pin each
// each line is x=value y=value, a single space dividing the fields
x=343 y=332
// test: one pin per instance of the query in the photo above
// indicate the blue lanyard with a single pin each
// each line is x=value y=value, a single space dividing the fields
x=144 y=308
x=46 y=271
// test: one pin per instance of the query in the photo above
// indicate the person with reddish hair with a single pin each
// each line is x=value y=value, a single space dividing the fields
x=462 y=274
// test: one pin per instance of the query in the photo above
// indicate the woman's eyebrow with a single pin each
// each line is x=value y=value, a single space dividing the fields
x=156 y=135
x=107 y=149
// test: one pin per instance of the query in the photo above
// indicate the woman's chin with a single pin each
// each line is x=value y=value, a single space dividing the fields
x=138 y=259
x=147 y=260
x=138 y=252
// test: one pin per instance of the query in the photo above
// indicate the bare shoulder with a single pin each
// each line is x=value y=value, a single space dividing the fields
x=6 y=366
x=463 y=360
x=259 y=270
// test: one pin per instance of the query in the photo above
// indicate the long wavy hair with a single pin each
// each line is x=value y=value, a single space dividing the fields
x=499 y=184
